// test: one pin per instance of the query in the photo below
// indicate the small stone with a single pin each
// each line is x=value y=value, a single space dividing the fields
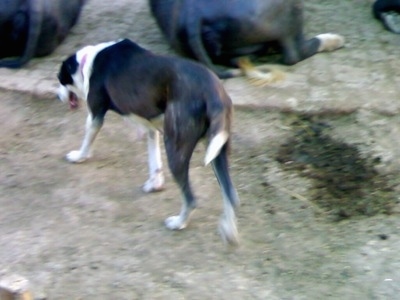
x=14 y=287
x=383 y=236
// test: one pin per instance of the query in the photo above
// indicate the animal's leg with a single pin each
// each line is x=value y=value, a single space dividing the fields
x=93 y=126
x=156 y=179
x=329 y=41
x=296 y=49
x=391 y=20
x=227 y=227
x=292 y=51
x=197 y=35
x=179 y=154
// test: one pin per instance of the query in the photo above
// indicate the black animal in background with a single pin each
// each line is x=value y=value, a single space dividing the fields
x=34 y=28
x=388 y=12
x=218 y=32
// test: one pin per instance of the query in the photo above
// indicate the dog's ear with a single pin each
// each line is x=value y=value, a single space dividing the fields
x=83 y=53
x=68 y=68
x=72 y=65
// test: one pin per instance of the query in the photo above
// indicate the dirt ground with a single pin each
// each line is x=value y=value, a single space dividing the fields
x=316 y=167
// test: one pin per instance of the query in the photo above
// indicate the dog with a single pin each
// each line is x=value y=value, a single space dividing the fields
x=388 y=12
x=221 y=32
x=179 y=97
x=34 y=28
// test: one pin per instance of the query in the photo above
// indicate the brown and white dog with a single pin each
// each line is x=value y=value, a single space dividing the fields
x=188 y=98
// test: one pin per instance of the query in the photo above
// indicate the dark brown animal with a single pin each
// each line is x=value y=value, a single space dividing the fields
x=218 y=32
x=33 y=28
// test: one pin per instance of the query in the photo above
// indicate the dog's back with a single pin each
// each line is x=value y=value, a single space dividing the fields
x=140 y=82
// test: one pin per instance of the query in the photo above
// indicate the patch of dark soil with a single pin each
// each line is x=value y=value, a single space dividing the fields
x=346 y=184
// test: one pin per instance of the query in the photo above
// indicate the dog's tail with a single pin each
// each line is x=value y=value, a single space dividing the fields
x=217 y=154
x=215 y=145
x=218 y=132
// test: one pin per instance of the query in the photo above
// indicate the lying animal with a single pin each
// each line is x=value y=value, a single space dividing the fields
x=388 y=12
x=190 y=100
x=220 y=32
x=33 y=28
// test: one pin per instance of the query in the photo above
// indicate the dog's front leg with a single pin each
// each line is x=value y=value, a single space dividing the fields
x=93 y=126
x=156 y=179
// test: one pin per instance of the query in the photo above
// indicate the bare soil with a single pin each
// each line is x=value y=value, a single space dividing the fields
x=87 y=231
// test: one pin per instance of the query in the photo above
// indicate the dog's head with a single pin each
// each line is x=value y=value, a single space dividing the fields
x=75 y=72
x=72 y=78
x=68 y=71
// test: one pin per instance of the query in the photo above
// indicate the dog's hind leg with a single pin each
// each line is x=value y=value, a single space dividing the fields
x=93 y=126
x=156 y=179
x=179 y=154
x=227 y=226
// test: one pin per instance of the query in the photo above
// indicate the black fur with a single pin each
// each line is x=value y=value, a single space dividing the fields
x=129 y=80
x=34 y=28
x=382 y=9
x=70 y=66
x=218 y=32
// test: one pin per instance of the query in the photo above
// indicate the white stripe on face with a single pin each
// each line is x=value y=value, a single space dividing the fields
x=84 y=58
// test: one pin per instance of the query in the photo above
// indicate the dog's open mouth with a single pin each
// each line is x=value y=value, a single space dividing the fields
x=73 y=100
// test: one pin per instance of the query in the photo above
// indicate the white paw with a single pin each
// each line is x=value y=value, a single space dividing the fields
x=155 y=184
x=330 y=41
x=76 y=157
x=175 y=223
x=392 y=21
x=228 y=231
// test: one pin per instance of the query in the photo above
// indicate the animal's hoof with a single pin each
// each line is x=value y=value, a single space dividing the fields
x=330 y=41
x=175 y=223
x=391 y=20
x=151 y=189
x=228 y=231
x=75 y=157
x=154 y=184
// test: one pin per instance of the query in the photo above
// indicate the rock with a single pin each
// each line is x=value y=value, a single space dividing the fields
x=14 y=287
